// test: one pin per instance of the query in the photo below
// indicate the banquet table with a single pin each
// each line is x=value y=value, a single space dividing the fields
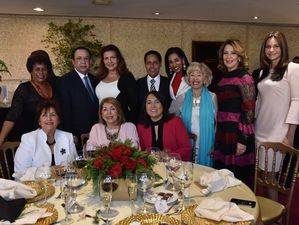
x=91 y=202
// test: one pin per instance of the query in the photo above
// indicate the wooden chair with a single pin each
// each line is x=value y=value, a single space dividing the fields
x=193 y=138
x=7 y=154
x=282 y=181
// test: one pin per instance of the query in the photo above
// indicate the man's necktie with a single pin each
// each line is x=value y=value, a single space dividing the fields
x=152 y=88
x=88 y=88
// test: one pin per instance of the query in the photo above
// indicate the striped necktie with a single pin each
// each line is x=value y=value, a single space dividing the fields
x=153 y=88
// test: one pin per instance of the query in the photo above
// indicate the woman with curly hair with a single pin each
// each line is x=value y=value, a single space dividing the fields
x=235 y=145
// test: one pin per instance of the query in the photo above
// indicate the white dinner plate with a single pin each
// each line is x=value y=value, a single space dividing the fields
x=152 y=197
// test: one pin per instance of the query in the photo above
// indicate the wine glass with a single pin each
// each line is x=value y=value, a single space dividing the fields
x=74 y=182
x=43 y=173
x=66 y=195
x=172 y=165
x=106 y=186
x=89 y=152
x=154 y=151
x=131 y=179
x=184 y=176
x=144 y=183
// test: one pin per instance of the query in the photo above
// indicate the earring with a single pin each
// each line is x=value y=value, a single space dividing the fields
x=184 y=67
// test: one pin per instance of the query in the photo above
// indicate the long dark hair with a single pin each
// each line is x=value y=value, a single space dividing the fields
x=282 y=65
x=181 y=54
x=121 y=65
x=145 y=118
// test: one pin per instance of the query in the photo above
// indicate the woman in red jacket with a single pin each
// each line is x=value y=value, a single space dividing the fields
x=159 y=129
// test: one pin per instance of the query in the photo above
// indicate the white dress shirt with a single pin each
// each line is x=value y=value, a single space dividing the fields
x=157 y=82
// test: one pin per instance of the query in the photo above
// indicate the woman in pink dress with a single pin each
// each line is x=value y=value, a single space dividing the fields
x=112 y=126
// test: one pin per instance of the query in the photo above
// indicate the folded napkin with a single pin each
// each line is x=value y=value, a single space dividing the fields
x=28 y=175
x=217 y=209
x=218 y=181
x=10 y=189
x=10 y=210
x=30 y=216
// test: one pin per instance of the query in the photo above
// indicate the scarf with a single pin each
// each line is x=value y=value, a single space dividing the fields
x=157 y=142
x=206 y=123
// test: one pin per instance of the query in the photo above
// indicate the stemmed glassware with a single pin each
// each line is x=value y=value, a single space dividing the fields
x=43 y=173
x=185 y=178
x=131 y=180
x=144 y=183
x=173 y=164
x=74 y=181
x=106 y=187
x=66 y=195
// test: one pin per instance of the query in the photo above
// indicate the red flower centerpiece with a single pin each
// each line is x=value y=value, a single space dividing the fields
x=118 y=159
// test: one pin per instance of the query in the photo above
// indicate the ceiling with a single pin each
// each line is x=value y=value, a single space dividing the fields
x=268 y=11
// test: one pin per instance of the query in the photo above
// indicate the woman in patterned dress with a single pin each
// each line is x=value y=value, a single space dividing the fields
x=235 y=146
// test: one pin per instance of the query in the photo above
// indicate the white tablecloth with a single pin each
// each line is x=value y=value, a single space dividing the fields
x=92 y=202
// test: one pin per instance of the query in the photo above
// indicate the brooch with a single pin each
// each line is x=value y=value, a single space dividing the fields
x=62 y=151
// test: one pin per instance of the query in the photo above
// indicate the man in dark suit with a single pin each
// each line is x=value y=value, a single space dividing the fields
x=78 y=101
x=153 y=81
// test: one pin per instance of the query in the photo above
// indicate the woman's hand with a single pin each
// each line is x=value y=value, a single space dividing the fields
x=240 y=149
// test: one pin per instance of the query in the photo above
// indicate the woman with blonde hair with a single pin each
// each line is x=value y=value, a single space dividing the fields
x=198 y=108
x=235 y=146
x=112 y=126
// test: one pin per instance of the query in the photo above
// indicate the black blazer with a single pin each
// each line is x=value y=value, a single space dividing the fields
x=143 y=89
x=128 y=96
x=79 y=111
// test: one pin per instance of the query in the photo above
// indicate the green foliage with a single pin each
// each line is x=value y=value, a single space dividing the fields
x=3 y=68
x=61 y=40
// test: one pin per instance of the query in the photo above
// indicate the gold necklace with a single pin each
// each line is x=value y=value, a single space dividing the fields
x=111 y=136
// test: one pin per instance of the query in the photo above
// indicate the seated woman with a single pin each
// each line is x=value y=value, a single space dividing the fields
x=112 y=126
x=159 y=129
x=198 y=109
x=46 y=145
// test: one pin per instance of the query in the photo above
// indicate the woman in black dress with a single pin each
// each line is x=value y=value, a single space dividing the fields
x=22 y=114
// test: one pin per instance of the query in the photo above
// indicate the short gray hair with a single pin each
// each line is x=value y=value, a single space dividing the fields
x=202 y=68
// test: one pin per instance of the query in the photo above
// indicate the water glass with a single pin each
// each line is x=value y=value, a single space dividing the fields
x=41 y=175
x=172 y=165
x=144 y=183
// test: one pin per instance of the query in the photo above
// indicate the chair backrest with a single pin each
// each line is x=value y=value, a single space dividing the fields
x=193 y=139
x=84 y=138
x=276 y=167
x=7 y=154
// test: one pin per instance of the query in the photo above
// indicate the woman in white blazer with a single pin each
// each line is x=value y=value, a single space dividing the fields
x=46 y=145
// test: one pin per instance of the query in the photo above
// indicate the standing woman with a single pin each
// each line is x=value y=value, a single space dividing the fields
x=176 y=64
x=198 y=109
x=277 y=107
x=117 y=81
x=235 y=146
x=27 y=96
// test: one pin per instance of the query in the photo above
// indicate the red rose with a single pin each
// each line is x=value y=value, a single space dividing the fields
x=123 y=159
x=142 y=162
x=130 y=164
x=127 y=151
x=98 y=163
x=115 y=171
x=116 y=153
